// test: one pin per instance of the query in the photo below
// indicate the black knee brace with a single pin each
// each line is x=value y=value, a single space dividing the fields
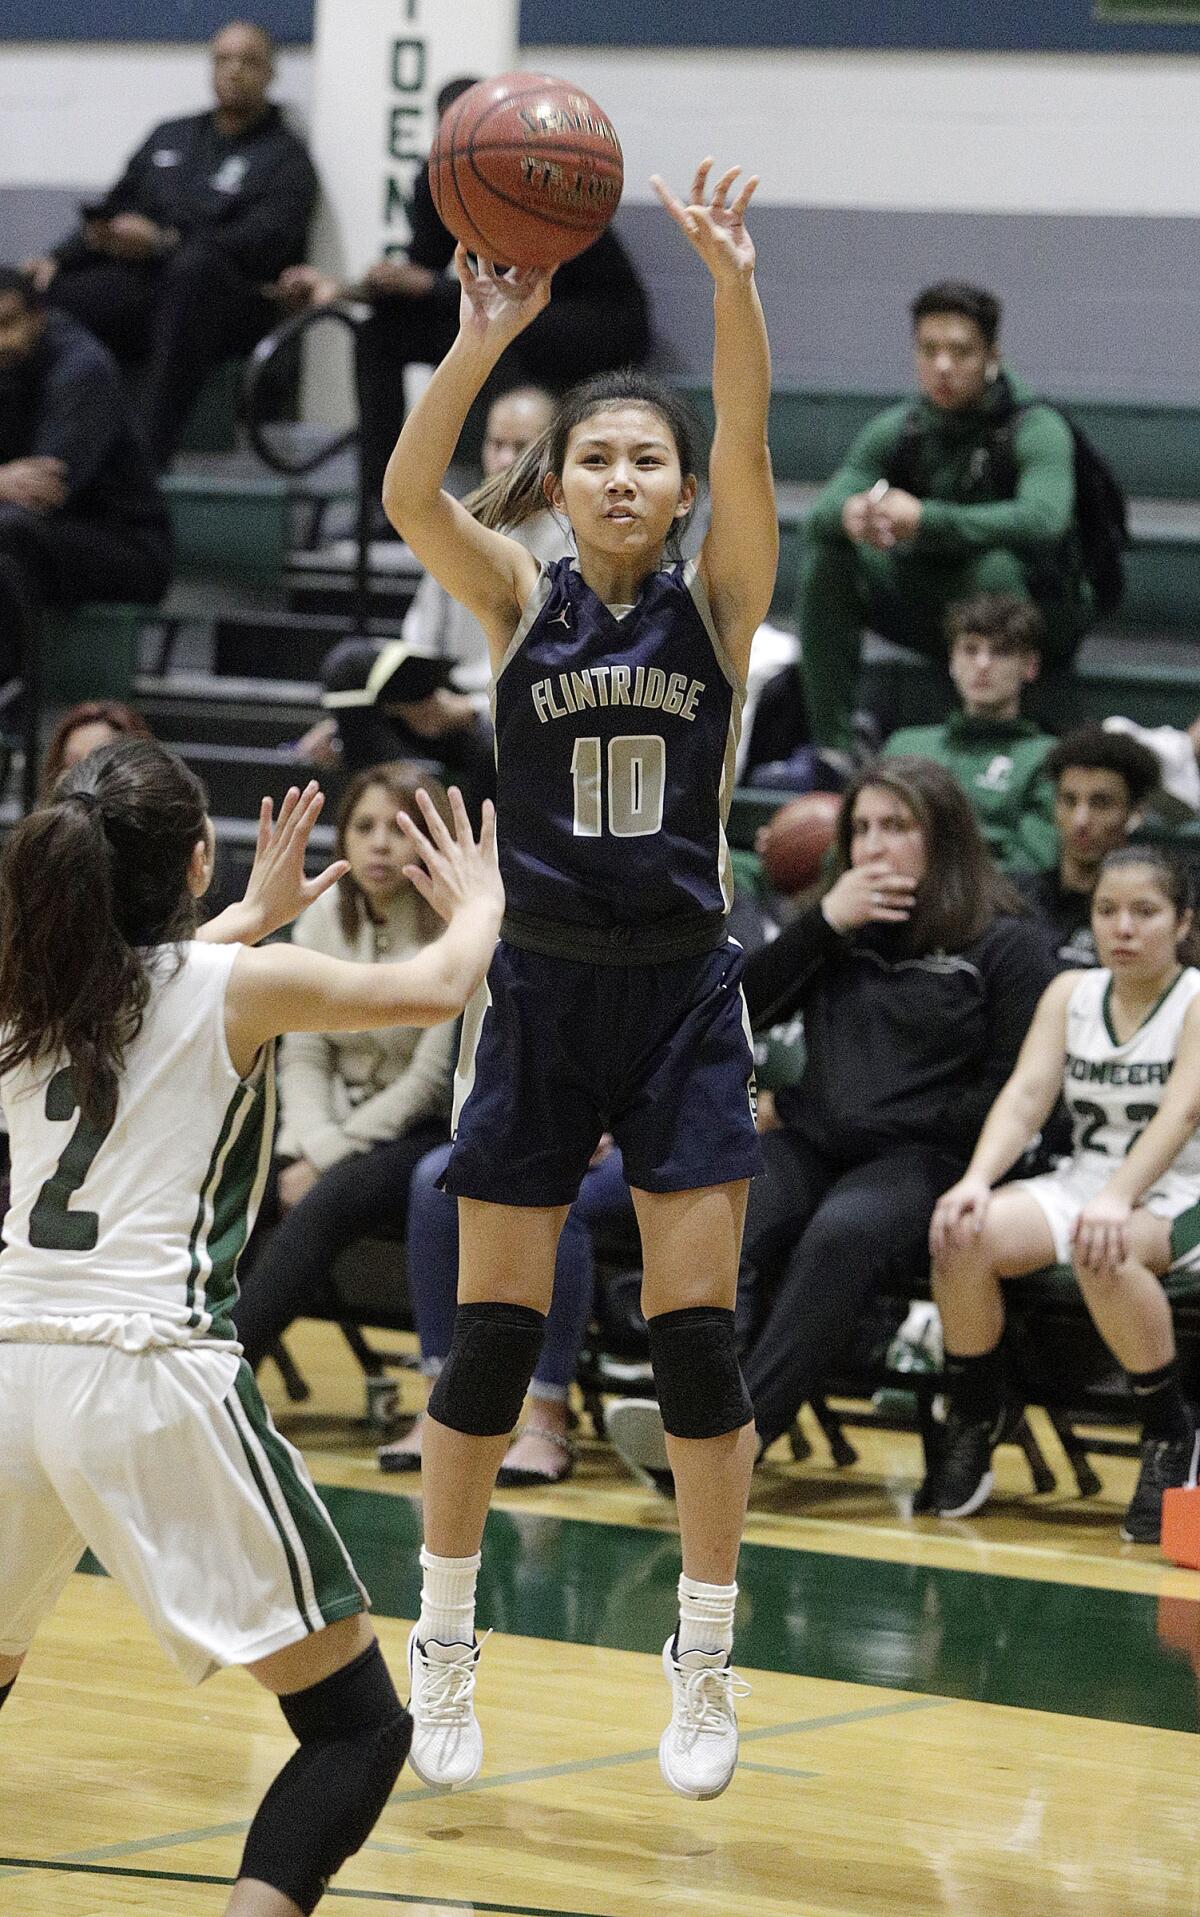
x=354 y=1736
x=701 y=1391
x=483 y=1382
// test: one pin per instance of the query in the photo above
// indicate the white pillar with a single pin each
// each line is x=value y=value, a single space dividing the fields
x=377 y=68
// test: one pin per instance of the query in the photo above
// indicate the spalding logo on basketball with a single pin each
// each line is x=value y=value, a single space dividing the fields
x=526 y=170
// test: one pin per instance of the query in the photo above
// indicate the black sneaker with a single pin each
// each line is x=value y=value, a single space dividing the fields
x=962 y=1476
x=1166 y=1462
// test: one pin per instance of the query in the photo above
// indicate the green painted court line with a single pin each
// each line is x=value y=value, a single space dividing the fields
x=774 y=1770
x=1073 y=1650
x=471 y=1905
x=167 y=1842
x=580 y=1766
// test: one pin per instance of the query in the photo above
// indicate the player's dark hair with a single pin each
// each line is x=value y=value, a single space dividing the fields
x=515 y=496
x=1013 y=624
x=400 y=781
x=452 y=91
x=90 y=884
x=13 y=280
x=958 y=296
x=1093 y=749
x=1173 y=880
x=962 y=891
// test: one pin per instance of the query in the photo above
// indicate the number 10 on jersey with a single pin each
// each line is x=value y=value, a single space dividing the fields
x=637 y=777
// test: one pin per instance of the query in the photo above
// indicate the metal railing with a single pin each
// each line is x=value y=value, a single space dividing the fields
x=297 y=466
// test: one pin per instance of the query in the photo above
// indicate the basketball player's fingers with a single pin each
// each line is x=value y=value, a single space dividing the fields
x=744 y=198
x=700 y=182
x=262 y=841
x=326 y=880
x=438 y=830
x=458 y=813
x=464 y=269
x=722 y=189
x=487 y=830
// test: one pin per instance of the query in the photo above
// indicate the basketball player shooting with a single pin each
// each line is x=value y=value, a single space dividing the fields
x=614 y=1000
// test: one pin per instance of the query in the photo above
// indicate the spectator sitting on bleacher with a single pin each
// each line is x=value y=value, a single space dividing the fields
x=1101 y=782
x=916 y=975
x=540 y=1451
x=84 y=728
x=359 y=1110
x=168 y=267
x=597 y=321
x=1122 y=1047
x=994 y=644
x=81 y=517
x=971 y=490
x=428 y=694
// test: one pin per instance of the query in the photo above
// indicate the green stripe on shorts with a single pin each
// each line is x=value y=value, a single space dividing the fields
x=1185 y=1237
x=335 y=1587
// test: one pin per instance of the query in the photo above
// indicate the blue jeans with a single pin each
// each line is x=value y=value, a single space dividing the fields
x=433 y=1269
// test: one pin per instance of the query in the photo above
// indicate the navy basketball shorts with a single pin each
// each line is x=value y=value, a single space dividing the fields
x=555 y=1051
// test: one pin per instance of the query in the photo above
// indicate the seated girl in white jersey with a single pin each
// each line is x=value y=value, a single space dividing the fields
x=614 y=1001
x=1121 y=1044
x=137 y=1081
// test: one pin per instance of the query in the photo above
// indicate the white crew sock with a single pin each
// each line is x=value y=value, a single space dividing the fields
x=448 y=1599
x=705 y=1616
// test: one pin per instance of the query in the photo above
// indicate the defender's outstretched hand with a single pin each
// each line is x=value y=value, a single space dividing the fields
x=496 y=306
x=715 y=228
x=277 y=890
x=455 y=871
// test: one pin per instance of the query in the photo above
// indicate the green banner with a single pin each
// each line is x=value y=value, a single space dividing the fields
x=1169 y=12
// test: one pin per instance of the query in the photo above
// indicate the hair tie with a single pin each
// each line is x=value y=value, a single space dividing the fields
x=88 y=800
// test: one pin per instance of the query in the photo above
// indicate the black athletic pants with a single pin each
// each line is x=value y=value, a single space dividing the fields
x=59 y=559
x=820 y=1237
x=569 y=341
x=175 y=318
x=365 y=1193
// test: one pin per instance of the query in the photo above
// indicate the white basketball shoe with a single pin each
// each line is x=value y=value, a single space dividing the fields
x=447 y=1745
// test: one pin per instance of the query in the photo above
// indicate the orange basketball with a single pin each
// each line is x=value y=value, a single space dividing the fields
x=525 y=170
x=793 y=843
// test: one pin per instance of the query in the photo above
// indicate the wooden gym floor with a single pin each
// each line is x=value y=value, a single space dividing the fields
x=991 y=1719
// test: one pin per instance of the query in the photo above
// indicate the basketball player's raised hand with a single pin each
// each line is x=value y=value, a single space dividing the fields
x=277 y=890
x=715 y=225
x=455 y=871
x=498 y=303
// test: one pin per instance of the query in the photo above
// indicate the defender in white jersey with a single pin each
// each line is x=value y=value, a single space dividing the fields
x=1122 y=1046
x=136 y=1076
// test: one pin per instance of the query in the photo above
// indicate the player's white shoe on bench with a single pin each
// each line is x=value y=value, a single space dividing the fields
x=447 y=1745
x=698 y=1751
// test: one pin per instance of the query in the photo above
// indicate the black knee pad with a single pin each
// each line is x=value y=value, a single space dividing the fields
x=701 y=1391
x=483 y=1382
x=354 y=1736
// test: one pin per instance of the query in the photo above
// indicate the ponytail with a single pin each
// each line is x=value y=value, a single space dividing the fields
x=90 y=885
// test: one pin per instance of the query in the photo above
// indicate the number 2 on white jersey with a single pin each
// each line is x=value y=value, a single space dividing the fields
x=637 y=778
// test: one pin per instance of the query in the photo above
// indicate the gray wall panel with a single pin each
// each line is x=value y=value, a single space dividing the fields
x=1096 y=307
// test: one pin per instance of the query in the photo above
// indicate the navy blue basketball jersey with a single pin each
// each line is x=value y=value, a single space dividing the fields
x=615 y=744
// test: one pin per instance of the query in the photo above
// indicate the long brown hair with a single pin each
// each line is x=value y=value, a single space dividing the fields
x=92 y=712
x=90 y=883
x=962 y=892
x=399 y=779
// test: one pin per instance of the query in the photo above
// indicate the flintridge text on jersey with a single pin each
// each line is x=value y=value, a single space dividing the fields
x=647 y=686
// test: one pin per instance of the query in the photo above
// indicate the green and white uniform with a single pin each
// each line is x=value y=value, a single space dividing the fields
x=1112 y=1091
x=128 y=1421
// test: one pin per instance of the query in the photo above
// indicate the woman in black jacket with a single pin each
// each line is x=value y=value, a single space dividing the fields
x=916 y=975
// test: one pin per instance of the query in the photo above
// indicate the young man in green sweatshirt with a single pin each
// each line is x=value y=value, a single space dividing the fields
x=972 y=489
x=995 y=651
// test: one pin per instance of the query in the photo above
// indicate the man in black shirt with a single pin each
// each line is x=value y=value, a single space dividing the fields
x=1101 y=782
x=80 y=513
x=598 y=319
x=167 y=268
